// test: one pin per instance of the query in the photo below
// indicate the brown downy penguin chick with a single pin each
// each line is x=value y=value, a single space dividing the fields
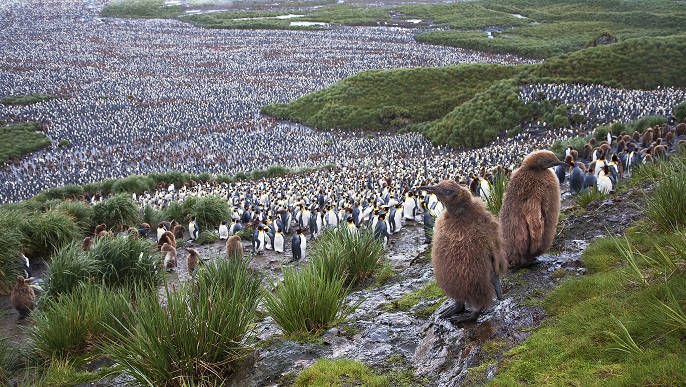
x=467 y=253
x=167 y=237
x=22 y=298
x=530 y=209
x=192 y=261
x=87 y=243
x=178 y=231
x=234 y=247
x=169 y=256
x=99 y=229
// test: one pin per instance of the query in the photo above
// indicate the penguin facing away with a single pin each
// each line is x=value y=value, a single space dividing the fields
x=467 y=253
x=22 y=297
x=234 y=247
x=531 y=208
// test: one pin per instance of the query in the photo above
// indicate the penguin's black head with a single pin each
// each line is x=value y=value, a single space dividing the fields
x=542 y=159
x=449 y=193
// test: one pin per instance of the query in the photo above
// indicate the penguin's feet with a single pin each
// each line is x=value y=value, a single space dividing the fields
x=525 y=264
x=456 y=308
x=465 y=317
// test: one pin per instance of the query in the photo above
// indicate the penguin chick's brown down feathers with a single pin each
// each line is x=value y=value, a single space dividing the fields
x=192 y=260
x=169 y=256
x=530 y=209
x=22 y=298
x=234 y=247
x=467 y=253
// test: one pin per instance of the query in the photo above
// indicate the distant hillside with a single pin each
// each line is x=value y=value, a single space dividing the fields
x=456 y=105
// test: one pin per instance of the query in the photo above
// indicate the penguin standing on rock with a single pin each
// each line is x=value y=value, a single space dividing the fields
x=467 y=253
x=531 y=208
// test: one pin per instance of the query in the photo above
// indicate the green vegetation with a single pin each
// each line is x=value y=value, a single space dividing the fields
x=666 y=206
x=19 y=139
x=210 y=211
x=587 y=196
x=471 y=105
x=76 y=321
x=10 y=360
x=116 y=211
x=339 y=373
x=341 y=254
x=307 y=301
x=625 y=322
x=197 y=338
x=141 y=9
x=429 y=292
x=495 y=202
x=27 y=99
x=112 y=261
x=551 y=27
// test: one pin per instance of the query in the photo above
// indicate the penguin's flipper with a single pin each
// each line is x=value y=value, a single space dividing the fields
x=456 y=308
x=495 y=279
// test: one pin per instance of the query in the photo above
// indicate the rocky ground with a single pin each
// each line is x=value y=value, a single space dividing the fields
x=410 y=345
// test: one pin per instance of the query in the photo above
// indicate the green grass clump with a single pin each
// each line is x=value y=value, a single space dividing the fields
x=80 y=212
x=430 y=291
x=113 y=261
x=307 y=301
x=342 y=254
x=498 y=186
x=68 y=268
x=133 y=184
x=47 y=232
x=207 y=237
x=210 y=211
x=19 y=139
x=23 y=100
x=339 y=372
x=587 y=196
x=141 y=9
x=117 y=210
x=10 y=248
x=125 y=261
x=64 y=372
x=75 y=322
x=10 y=360
x=197 y=338
x=666 y=206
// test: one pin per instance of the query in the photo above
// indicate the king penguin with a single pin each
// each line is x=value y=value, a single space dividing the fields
x=467 y=253
x=278 y=242
x=531 y=208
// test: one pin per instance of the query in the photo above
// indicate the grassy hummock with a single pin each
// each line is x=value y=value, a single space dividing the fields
x=19 y=139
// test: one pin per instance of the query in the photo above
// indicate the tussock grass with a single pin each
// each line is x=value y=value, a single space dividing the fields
x=76 y=321
x=307 y=301
x=342 y=254
x=47 y=232
x=10 y=360
x=666 y=206
x=68 y=268
x=206 y=237
x=10 y=242
x=117 y=210
x=587 y=196
x=339 y=372
x=199 y=336
x=125 y=261
x=495 y=202
x=80 y=212
x=210 y=211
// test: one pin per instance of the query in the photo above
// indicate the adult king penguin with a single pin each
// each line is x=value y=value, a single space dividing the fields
x=467 y=253
x=530 y=209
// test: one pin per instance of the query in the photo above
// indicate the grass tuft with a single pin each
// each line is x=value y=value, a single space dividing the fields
x=339 y=372
x=307 y=301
